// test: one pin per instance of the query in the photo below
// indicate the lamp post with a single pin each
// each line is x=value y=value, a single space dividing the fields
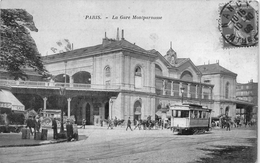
x=63 y=93
x=111 y=101
x=182 y=91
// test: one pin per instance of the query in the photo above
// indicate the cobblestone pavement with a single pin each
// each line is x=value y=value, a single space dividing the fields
x=118 y=145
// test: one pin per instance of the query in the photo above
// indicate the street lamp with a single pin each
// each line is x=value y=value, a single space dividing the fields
x=111 y=101
x=182 y=91
x=63 y=93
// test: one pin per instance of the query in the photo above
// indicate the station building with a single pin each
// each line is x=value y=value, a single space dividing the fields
x=148 y=81
x=121 y=79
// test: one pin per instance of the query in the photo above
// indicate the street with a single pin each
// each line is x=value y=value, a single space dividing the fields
x=118 y=145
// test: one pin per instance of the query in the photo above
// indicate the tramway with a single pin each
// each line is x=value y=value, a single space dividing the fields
x=190 y=119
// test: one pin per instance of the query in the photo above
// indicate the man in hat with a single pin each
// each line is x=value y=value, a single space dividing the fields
x=54 y=127
x=129 y=124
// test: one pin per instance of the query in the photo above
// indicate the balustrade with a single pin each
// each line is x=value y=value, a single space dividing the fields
x=17 y=83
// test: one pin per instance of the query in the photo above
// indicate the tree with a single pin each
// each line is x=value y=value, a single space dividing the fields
x=18 y=49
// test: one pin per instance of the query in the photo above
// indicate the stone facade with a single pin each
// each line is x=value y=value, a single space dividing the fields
x=144 y=81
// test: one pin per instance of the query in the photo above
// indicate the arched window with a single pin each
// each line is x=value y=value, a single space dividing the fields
x=137 y=111
x=158 y=70
x=138 y=71
x=107 y=71
x=138 y=77
x=186 y=75
x=107 y=75
x=227 y=90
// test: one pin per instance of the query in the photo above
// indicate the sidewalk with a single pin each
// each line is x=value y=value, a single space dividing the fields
x=15 y=140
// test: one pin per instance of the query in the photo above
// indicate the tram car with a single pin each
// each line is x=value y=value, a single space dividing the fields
x=190 y=119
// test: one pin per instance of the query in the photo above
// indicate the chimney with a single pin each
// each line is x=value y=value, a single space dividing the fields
x=122 y=35
x=117 y=34
x=208 y=62
x=72 y=46
x=106 y=40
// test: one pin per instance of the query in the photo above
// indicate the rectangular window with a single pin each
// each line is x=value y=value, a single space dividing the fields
x=181 y=113
x=204 y=114
x=192 y=114
x=184 y=114
x=200 y=114
x=195 y=113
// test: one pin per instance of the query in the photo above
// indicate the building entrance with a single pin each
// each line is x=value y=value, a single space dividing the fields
x=106 y=110
x=88 y=114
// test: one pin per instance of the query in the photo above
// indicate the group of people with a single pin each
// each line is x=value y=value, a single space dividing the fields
x=33 y=123
x=110 y=123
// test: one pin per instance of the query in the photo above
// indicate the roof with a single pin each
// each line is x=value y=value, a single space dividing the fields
x=214 y=69
x=110 y=45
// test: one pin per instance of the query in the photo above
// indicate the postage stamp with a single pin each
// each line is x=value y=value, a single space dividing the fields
x=238 y=24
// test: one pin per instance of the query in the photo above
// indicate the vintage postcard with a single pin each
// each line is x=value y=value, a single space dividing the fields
x=129 y=81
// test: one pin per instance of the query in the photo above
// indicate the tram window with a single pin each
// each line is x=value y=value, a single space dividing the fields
x=195 y=113
x=181 y=113
x=204 y=114
x=192 y=114
x=207 y=115
x=200 y=114
x=175 y=113
x=184 y=113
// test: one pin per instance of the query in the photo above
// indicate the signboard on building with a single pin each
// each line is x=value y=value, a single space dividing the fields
x=5 y=105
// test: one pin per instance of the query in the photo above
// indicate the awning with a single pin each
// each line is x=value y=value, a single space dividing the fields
x=8 y=100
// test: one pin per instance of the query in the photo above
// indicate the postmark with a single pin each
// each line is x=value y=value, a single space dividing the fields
x=238 y=24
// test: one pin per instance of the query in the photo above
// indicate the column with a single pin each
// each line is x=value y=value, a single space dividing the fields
x=180 y=86
x=71 y=81
x=202 y=94
x=172 y=93
x=196 y=92
x=188 y=91
x=164 y=87
x=44 y=105
x=211 y=94
x=69 y=99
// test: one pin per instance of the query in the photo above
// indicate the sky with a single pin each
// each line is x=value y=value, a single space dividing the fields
x=191 y=26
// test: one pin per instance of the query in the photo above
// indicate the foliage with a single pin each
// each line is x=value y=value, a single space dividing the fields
x=18 y=49
x=16 y=118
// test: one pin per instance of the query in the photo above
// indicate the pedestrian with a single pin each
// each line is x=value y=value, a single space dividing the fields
x=33 y=125
x=37 y=124
x=138 y=124
x=54 y=127
x=115 y=121
x=129 y=124
x=101 y=121
x=29 y=123
x=109 y=123
x=228 y=125
x=69 y=129
x=162 y=123
x=83 y=123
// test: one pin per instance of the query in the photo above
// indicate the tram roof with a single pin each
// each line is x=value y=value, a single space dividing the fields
x=189 y=107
